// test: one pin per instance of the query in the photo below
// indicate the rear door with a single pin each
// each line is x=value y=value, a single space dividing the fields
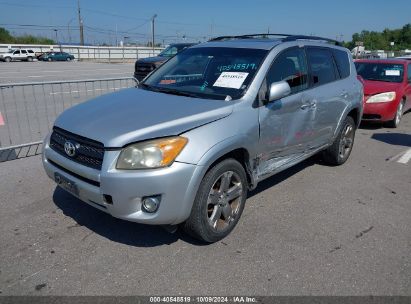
x=23 y=54
x=58 y=56
x=328 y=94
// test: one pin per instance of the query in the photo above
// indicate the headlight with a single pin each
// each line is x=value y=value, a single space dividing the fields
x=151 y=154
x=383 y=97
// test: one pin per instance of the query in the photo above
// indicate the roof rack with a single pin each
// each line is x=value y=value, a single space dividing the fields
x=285 y=37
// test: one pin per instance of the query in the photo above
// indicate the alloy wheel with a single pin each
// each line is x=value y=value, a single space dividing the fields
x=224 y=200
x=346 y=142
x=398 y=115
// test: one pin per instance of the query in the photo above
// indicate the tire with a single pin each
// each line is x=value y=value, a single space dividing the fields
x=29 y=59
x=214 y=214
x=338 y=153
x=7 y=59
x=395 y=123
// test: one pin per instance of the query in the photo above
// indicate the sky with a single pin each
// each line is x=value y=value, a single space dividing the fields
x=182 y=20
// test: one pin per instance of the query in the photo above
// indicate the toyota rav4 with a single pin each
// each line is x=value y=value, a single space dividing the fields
x=186 y=145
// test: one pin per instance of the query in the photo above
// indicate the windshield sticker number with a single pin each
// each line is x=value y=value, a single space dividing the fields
x=167 y=81
x=203 y=87
x=237 y=66
x=232 y=80
x=392 y=73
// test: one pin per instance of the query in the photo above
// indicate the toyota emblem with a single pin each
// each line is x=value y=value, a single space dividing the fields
x=70 y=148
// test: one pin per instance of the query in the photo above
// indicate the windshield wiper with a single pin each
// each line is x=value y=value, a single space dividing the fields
x=148 y=87
x=175 y=92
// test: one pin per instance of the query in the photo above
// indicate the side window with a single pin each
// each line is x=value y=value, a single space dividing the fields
x=30 y=51
x=23 y=52
x=16 y=53
x=343 y=63
x=322 y=66
x=409 y=72
x=290 y=66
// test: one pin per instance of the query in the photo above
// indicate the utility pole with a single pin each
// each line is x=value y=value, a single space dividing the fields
x=152 y=31
x=80 y=21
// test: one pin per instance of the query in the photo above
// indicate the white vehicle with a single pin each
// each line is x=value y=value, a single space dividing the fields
x=21 y=54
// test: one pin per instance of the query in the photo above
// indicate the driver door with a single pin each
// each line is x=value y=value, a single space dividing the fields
x=286 y=125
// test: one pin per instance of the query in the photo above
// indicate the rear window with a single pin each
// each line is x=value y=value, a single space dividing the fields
x=322 y=66
x=343 y=63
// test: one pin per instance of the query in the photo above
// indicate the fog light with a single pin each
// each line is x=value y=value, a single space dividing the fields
x=151 y=203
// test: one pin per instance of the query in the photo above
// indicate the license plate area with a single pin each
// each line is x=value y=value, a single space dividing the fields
x=66 y=183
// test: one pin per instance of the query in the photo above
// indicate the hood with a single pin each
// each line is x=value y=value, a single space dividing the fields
x=375 y=87
x=131 y=115
x=156 y=59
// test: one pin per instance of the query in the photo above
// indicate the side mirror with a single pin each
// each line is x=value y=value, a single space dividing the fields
x=278 y=90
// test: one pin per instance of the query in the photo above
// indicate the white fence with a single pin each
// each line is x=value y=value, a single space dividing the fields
x=95 y=53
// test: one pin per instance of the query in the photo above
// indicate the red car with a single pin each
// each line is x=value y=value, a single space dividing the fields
x=387 y=89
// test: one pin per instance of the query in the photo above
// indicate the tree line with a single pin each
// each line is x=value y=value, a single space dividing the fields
x=6 y=37
x=382 y=40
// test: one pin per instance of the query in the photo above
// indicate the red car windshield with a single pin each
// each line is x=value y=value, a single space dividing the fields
x=388 y=72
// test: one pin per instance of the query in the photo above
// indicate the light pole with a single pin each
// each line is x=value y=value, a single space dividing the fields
x=152 y=31
x=68 y=29
x=55 y=31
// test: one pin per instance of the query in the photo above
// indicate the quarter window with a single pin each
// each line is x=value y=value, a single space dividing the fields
x=322 y=66
x=343 y=63
x=290 y=66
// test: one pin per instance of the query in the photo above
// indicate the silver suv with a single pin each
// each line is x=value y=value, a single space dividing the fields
x=187 y=144
x=20 y=54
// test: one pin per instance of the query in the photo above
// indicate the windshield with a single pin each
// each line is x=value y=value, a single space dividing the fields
x=169 y=51
x=10 y=51
x=213 y=73
x=377 y=71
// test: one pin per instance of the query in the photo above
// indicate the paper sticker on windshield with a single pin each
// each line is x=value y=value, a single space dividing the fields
x=392 y=73
x=232 y=80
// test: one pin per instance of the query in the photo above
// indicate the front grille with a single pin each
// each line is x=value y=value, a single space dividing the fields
x=89 y=152
x=143 y=69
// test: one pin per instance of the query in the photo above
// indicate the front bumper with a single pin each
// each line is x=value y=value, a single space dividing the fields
x=176 y=184
x=384 y=111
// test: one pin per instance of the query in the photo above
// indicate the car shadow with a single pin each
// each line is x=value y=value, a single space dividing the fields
x=114 y=229
x=139 y=235
x=396 y=139
x=371 y=125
